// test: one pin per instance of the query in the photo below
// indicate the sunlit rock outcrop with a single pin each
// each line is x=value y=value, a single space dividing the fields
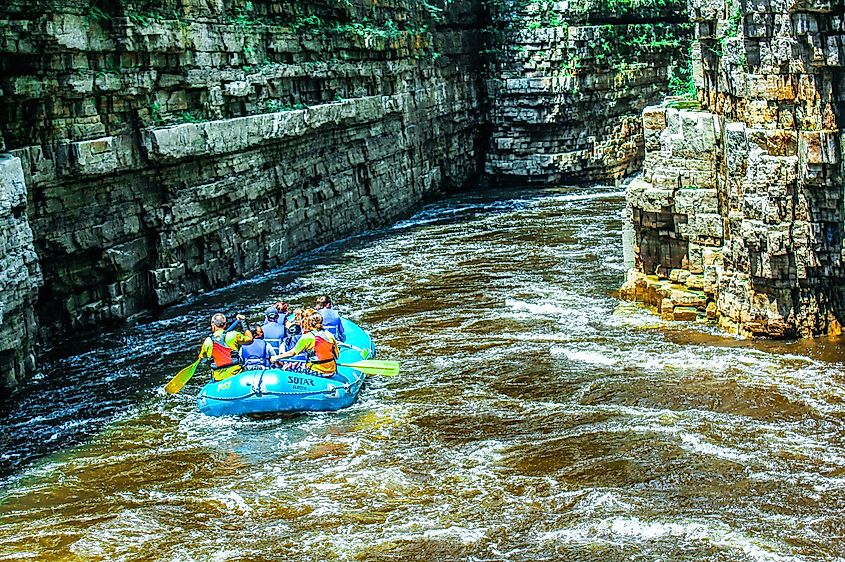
x=20 y=277
x=764 y=152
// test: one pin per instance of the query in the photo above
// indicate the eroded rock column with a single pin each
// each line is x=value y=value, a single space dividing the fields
x=768 y=135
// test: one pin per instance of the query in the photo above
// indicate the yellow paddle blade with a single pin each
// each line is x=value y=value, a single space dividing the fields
x=375 y=367
x=181 y=378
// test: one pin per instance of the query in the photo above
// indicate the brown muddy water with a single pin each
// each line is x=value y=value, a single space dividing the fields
x=536 y=418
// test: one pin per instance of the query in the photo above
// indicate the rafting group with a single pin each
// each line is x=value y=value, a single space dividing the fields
x=307 y=342
x=309 y=360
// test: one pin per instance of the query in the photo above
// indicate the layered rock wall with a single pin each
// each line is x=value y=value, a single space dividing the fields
x=568 y=81
x=20 y=277
x=171 y=146
x=769 y=79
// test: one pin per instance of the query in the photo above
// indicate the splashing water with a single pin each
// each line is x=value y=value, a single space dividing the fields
x=536 y=418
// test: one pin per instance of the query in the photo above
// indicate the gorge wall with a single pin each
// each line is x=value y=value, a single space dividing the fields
x=150 y=149
x=568 y=82
x=739 y=212
x=156 y=148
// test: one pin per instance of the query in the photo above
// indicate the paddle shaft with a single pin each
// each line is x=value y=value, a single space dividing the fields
x=358 y=349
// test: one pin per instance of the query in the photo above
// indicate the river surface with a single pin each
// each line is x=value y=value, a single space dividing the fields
x=535 y=418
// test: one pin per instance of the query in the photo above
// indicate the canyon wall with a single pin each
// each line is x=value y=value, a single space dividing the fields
x=154 y=149
x=163 y=147
x=568 y=81
x=739 y=211
x=20 y=277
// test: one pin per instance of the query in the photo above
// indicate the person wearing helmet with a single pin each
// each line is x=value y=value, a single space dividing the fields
x=222 y=346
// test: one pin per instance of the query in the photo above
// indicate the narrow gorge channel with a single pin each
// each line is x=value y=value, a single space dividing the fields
x=536 y=418
x=605 y=240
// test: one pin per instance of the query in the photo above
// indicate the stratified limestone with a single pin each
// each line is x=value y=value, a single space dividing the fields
x=569 y=80
x=20 y=278
x=172 y=146
x=764 y=155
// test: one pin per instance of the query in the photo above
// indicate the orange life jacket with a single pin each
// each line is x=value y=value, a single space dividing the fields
x=325 y=351
x=221 y=354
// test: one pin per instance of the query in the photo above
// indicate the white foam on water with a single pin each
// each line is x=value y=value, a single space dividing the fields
x=22 y=555
x=532 y=337
x=620 y=530
x=814 y=481
x=127 y=533
x=759 y=441
x=802 y=380
x=803 y=442
x=223 y=555
x=233 y=501
x=323 y=506
x=695 y=443
x=577 y=314
x=682 y=428
x=603 y=501
x=583 y=356
x=325 y=486
x=584 y=196
x=464 y=535
x=545 y=309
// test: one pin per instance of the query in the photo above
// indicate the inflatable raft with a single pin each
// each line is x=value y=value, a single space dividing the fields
x=278 y=391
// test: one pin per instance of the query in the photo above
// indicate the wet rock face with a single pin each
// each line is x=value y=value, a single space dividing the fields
x=766 y=145
x=20 y=278
x=568 y=81
x=166 y=147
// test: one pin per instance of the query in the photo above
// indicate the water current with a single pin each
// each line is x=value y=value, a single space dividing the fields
x=535 y=418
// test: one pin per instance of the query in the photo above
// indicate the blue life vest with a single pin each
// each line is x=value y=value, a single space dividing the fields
x=274 y=333
x=332 y=323
x=256 y=354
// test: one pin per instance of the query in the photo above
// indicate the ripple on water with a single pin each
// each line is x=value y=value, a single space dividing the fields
x=536 y=418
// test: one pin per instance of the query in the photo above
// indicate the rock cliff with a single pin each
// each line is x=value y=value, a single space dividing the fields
x=568 y=81
x=153 y=149
x=20 y=277
x=158 y=148
x=743 y=197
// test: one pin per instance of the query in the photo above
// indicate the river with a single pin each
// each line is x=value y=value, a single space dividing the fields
x=535 y=418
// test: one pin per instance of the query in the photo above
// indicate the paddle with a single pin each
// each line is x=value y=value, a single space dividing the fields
x=375 y=367
x=364 y=352
x=183 y=376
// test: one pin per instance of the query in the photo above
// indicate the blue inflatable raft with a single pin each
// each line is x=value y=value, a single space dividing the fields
x=278 y=391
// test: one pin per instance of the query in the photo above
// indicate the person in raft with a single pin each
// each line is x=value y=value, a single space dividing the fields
x=320 y=346
x=257 y=354
x=331 y=319
x=294 y=329
x=274 y=331
x=222 y=346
